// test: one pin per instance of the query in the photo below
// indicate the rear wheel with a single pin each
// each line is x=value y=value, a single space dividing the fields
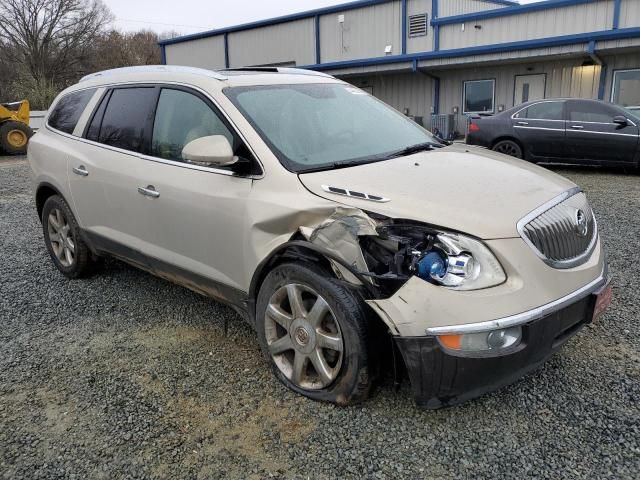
x=508 y=147
x=14 y=137
x=314 y=331
x=62 y=237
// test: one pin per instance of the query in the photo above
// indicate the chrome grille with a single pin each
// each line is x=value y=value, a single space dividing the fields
x=562 y=232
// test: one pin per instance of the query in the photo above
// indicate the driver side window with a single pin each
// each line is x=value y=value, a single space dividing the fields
x=182 y=117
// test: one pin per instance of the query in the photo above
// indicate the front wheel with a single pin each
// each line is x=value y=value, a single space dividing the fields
x=313 y=330
x=508 y=147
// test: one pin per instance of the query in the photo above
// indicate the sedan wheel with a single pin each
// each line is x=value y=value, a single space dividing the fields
x=303 y=337
x=508 y=147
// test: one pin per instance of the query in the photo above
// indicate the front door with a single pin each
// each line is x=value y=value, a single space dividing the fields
x=529 y=88
x=194 y=221
x=540 y=127
x=592 y=136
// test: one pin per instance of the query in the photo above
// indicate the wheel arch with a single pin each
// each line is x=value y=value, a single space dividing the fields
x=512 y=138
x=299 y=249
x=43 y=192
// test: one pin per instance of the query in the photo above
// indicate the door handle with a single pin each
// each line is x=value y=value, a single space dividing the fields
x=523 y=123
x=577 y=127
x=149 y=191
x=81 y=170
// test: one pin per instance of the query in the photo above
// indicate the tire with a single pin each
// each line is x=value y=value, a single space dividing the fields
x=70 y=254
x=14 y=137
x=347 y=378
x=508 y=147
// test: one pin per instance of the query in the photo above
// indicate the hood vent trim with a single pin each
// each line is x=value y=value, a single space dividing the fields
x=354 y=194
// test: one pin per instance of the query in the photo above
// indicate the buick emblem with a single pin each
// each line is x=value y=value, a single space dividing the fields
x=582 y=225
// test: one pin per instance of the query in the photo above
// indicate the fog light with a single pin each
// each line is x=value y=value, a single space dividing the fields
x=492 y=341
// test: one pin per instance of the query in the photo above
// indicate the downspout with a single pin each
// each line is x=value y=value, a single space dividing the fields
x=436 y=28
x=403 y=9
x=226 y=50
x=591 y=51
x=163 y=55
x=316 y=21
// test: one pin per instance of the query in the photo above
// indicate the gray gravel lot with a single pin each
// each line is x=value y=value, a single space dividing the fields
x=124 y=375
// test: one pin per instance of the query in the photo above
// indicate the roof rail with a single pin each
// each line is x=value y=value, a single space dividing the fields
x=287 y=70
x=152 y=69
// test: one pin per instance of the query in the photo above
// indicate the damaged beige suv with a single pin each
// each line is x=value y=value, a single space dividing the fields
x=336 y=226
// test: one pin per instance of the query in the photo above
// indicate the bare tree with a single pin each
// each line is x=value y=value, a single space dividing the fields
x=116 y=49
x=50 y=39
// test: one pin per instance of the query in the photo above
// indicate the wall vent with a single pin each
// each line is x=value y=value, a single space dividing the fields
x=418 y=25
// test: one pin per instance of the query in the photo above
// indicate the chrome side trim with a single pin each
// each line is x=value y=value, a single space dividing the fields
x=573 y=262
x=528 y=316
x=601 y=133
x=540 y=128
x=353 y=194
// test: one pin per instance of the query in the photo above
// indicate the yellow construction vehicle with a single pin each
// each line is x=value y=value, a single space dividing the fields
x=14 y=127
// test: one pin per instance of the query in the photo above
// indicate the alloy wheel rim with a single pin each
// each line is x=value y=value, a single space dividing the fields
x=303 y=337
x=17 y=138
x=507 y=149
x=61 y=238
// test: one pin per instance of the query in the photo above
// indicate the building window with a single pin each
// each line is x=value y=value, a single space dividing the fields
x=626 y=88
x=478 y=96
x=418 y=25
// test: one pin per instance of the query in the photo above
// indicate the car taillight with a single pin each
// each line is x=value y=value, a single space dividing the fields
x=473 y=127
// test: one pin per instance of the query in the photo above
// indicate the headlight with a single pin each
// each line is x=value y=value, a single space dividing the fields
x=460 y=262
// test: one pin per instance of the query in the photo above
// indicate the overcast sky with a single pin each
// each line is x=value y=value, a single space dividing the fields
x=190 y=16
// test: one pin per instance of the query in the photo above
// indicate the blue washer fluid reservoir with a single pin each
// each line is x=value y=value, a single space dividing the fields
x=432 y=266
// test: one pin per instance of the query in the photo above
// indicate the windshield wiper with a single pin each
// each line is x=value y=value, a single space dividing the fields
x=419 y=147
x=341 y=164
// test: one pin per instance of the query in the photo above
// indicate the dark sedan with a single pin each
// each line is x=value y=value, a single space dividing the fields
x=562 y=131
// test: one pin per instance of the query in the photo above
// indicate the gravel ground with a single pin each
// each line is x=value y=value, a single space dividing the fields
x=124 y=375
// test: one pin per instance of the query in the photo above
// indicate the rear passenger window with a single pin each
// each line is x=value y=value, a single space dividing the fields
x=182 y=117
x=544 y=111
x=127 y=118
x=67 y=111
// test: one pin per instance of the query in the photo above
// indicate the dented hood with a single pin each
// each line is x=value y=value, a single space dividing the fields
x=463 y=188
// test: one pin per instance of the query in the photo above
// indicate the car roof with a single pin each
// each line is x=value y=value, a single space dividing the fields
x=558 y=99
x=203 y=77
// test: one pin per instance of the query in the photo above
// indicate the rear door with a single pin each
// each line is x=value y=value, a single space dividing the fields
x=540 y=127
x=593 y=137
x=104 y=173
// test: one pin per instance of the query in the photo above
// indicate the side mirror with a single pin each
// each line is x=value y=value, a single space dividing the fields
x=620 y=120
x=211 y=151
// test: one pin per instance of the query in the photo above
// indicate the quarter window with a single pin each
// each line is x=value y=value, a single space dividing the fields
x=544 y=111
x=127 y=118
x=67 y=111
x=478 y=96
x=182 y=117
x=626 y=88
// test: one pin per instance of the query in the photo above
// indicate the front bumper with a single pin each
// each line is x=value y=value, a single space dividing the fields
x=439 y=378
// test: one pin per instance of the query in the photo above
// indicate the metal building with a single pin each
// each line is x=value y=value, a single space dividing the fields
x=444 y=56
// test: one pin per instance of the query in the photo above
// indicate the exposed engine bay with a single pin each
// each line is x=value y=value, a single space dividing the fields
x=388 y=252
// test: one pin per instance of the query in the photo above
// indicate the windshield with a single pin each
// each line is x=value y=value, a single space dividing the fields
x=317 y=126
